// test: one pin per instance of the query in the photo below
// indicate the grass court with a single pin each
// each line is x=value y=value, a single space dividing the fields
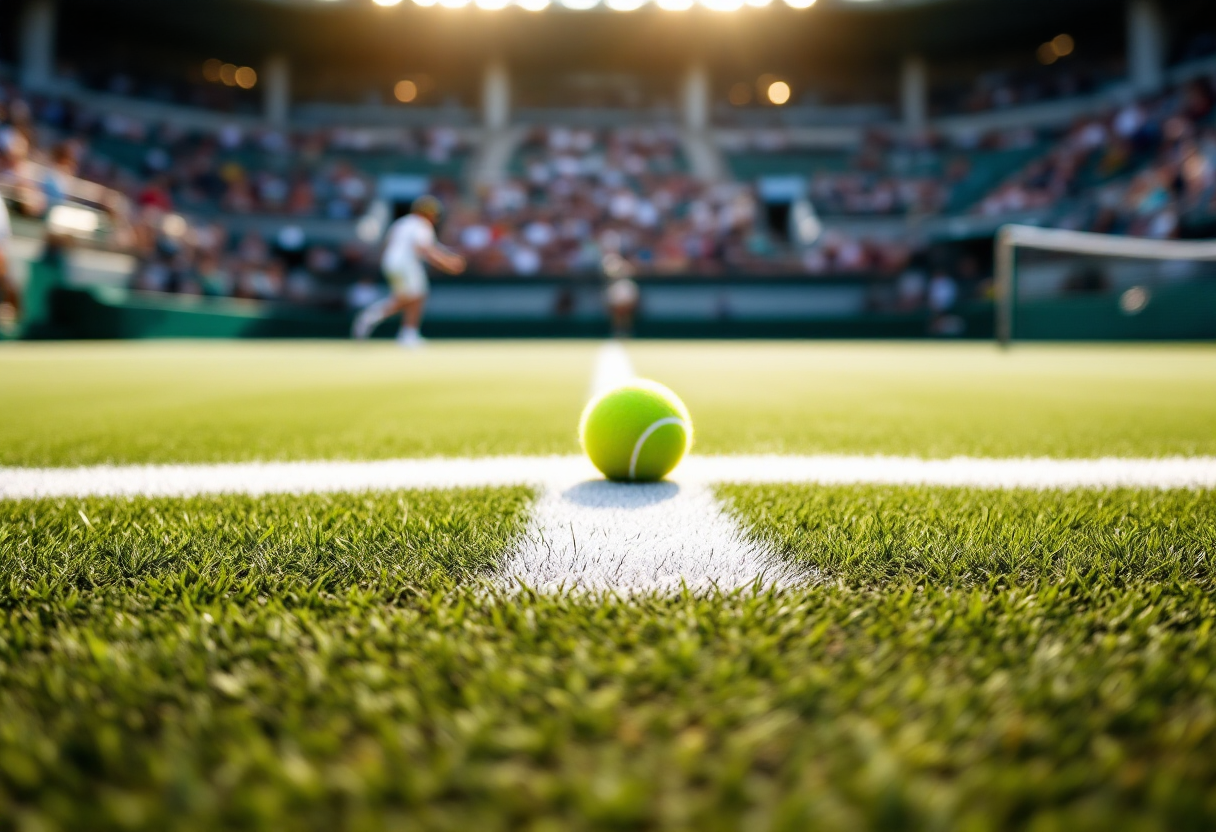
x=963 y=658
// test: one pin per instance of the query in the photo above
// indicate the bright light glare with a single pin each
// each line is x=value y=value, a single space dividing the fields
x=778 y=92
x=386 y=2
x=533 y=5
x=405 y=91
x=624 y=5
x=70 y=219
x=246 y=78
x=799 y=4
x=579 y=5
x=454 y=4
x=675 y=5
x=491 y=5
x=757 y=4
x=722 y=5
x=424 y=2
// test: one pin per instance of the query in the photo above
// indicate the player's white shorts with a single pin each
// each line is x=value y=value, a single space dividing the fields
x=409 y=283
x=622 y=292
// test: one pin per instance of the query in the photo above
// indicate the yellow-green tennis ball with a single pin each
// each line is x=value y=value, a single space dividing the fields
x=637 y=432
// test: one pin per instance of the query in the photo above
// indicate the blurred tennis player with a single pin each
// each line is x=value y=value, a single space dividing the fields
x=409 y=245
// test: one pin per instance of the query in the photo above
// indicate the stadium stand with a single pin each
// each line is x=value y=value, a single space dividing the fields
x=211 y=196
x=885 y=174
x=576 y=194
x=326 y=173
x=1142 y=169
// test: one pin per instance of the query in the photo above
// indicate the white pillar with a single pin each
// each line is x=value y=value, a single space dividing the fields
x=496 y=96
x=37 y=43
x=694 y=97
x=914 y=93
x=1146 y=45
x=276 y=90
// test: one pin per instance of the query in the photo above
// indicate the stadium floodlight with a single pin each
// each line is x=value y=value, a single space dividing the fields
x=246 y=77
x=778 y=92
x=675 y=5
x=405 y=91
x=1083 y=244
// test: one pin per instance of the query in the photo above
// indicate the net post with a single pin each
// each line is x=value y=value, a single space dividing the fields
x=1005 y=295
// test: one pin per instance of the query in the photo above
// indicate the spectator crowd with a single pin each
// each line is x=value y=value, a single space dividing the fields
x=573 y=197
x=1140 y=170
x=300 y=173
x=578 y=195
x=44 y=164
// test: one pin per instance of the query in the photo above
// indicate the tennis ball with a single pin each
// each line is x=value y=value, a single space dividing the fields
x=637 y=432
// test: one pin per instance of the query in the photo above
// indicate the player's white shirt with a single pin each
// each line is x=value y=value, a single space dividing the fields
x=402 y=261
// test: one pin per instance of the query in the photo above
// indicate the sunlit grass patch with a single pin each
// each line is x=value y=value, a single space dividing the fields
x=940 y=400
x=833 y=707
x=225 y=402
x=338 y=661
x=230 y=402
x=243 y=546
x=871 y=534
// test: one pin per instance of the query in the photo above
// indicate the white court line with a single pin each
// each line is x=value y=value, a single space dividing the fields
x=320 y=477
x=585 y=533
x=612 y=368
x=596 y=535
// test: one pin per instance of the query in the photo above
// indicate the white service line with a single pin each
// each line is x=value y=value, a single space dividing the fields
x=612 y=368
x=663 y=536
x=1027 y=472
x=284 y=477
x=321 y=477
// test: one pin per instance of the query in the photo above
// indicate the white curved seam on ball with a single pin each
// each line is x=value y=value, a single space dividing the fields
x=646 y=434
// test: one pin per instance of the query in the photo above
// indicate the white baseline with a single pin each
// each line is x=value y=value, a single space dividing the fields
x=320 y=477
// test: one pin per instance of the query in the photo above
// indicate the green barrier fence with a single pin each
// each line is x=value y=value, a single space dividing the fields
x=1183 y=312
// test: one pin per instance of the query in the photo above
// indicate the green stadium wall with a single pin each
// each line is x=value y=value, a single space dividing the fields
x=1183 y=312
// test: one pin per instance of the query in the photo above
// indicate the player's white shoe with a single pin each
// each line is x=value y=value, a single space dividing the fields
x=410 y=339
